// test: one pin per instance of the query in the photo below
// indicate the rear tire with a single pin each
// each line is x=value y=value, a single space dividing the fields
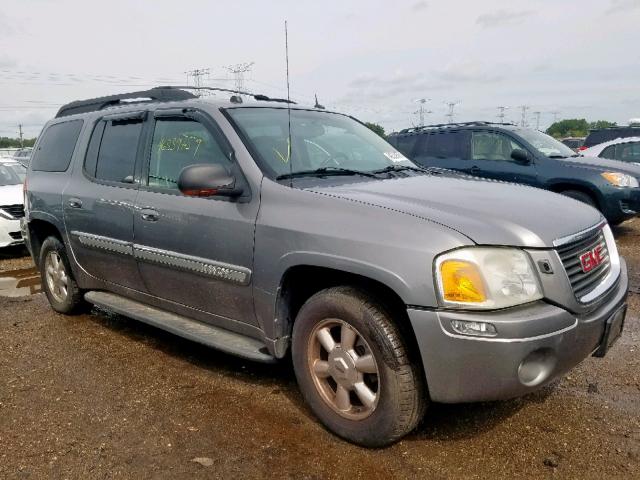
x=354 y=369
x=581 y=197
x=58 y=282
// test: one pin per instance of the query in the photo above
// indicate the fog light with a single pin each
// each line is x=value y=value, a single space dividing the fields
x=478 y=329
x=537 y=367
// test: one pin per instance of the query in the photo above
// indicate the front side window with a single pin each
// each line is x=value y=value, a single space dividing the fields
x=492 y=146
x=545 y=144
x=178 y=143
x=116 y=150
x=318 y=140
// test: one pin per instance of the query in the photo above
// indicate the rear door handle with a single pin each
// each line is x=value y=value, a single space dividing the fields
x=149 y=215
x=75 y=203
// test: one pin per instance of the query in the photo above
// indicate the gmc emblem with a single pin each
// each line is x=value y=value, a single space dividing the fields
x=591 y=259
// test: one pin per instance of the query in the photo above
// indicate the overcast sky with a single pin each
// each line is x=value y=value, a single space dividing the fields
x=374 y=59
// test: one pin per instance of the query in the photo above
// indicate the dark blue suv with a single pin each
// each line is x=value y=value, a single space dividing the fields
x=522 y=155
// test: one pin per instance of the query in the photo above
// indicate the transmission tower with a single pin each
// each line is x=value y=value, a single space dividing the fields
x=537 y=114
x=238 y=70
x=421 y=111
x=452 y=106
x=523 y=115
x=197 y=74
x=555 y=114
x=501 y=114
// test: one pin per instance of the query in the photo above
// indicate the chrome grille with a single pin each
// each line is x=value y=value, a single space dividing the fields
x=16 y=211
x=581 y=282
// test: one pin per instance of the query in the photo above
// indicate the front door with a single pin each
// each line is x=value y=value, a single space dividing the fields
x=99 y=201
x=491 y=158
x=193 y=251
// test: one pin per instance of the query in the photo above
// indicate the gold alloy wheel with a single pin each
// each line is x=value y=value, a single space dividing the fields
x=56 y=277
x=343 y=369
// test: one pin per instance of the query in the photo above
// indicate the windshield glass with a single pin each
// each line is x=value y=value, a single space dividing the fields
x=11 y=174
x=548 y=146
x=319 y=140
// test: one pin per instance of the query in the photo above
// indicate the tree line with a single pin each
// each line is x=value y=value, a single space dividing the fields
x=576 y=127
x=6 y=142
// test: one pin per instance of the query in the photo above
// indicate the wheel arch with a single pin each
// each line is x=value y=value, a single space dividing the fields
x=40 y=227
x=564 y=185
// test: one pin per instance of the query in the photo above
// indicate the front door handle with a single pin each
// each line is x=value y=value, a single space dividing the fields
x=149 y=215
x=475 y=170
x=75 y=203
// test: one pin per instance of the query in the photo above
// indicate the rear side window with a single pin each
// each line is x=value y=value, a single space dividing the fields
x=406 y=144
x=628 y=152
x=56 y=147
x=113 y=149
x=444 y=145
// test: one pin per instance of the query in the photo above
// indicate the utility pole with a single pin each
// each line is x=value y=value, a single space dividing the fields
x=451 y=106
x=21 y=139
x=421 y=111
x=537 y=114
x=501 y=109
x=523 y=117
x=238 y=70
x=555 y=115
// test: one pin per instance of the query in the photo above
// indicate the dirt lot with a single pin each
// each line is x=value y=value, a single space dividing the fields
x=100 y=396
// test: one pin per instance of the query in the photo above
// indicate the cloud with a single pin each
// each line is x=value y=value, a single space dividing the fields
x=469 y=71
x=419 y=6
x=502 y=18
x=616 y=6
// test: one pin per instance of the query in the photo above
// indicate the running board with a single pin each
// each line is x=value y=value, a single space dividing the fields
x=203 y=333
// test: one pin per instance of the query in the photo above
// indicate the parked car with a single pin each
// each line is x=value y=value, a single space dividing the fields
x=527 y=156
x=22 y=156
x=12 y=176
x=623 y=149
x=574 y=143
x=263 y=228
x=602 y=135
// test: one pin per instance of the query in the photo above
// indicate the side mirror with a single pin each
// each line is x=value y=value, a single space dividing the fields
x=521 y=156
x=207 y=180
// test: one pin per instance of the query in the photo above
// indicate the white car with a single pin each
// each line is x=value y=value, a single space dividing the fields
x=12 y=175
x=623 y=149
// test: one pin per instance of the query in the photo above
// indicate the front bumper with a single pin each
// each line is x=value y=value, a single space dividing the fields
x=621 y=204
x=10 y=233
x=538 y=337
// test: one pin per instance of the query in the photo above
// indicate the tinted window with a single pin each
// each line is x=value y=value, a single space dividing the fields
x=609 y=152
x=628 y=152
x=178 y=143
x=492 y=146
x=406 y=144
x=56 y=147
x=118 y=148
x=444 y=145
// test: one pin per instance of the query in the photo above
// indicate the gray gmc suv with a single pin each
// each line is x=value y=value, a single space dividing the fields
x=265 y=229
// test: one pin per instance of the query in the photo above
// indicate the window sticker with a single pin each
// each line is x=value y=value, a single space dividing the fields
x=396 y=157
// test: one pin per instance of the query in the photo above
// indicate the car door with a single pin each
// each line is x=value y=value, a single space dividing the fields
x=99 y=201
x=445 y=149
x=491 y=158
x=194 y=251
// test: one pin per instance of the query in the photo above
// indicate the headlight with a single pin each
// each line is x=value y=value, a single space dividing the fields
x=486 y=278
x=620 y=179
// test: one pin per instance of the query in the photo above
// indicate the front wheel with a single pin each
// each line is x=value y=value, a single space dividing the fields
x=58 y=282
x=354 y=369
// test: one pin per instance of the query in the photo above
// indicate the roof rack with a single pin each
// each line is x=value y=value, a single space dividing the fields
x=164 y=93
x=457 y=124
x=158 y=94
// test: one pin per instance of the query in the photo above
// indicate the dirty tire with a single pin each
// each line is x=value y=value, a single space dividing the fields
x=581 y=197
x=74 y=301
x=401 y=391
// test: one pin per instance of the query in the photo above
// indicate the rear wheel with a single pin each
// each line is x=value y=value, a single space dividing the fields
x=581 y=197
x=353 y=368
x=58 y=282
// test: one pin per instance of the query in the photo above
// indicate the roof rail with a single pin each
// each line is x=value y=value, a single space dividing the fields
x=456 y=124
x=158 y=94
x=255 y=96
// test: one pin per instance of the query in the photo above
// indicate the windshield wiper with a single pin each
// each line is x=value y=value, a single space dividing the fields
x=400 y=168
x=324 y=172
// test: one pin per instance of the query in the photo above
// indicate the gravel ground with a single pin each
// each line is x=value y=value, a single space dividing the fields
x=101 y=396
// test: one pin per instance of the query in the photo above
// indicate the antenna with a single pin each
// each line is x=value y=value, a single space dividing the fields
x=286 y=52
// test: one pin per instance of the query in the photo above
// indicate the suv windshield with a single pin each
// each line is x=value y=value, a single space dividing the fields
x=319 y=140
x=546 y=145
x=11 y=174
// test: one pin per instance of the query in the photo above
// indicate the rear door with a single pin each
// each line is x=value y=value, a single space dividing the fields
x=446 y=149
x=491 y=158
x=194 y=251
x=99 y=202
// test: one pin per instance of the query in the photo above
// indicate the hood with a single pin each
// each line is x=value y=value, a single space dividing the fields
x=11 y=195
x=604 y=164
x=487 y=212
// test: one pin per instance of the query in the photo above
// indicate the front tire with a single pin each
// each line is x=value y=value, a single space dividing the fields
x=58 y=282
x=354 y=369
